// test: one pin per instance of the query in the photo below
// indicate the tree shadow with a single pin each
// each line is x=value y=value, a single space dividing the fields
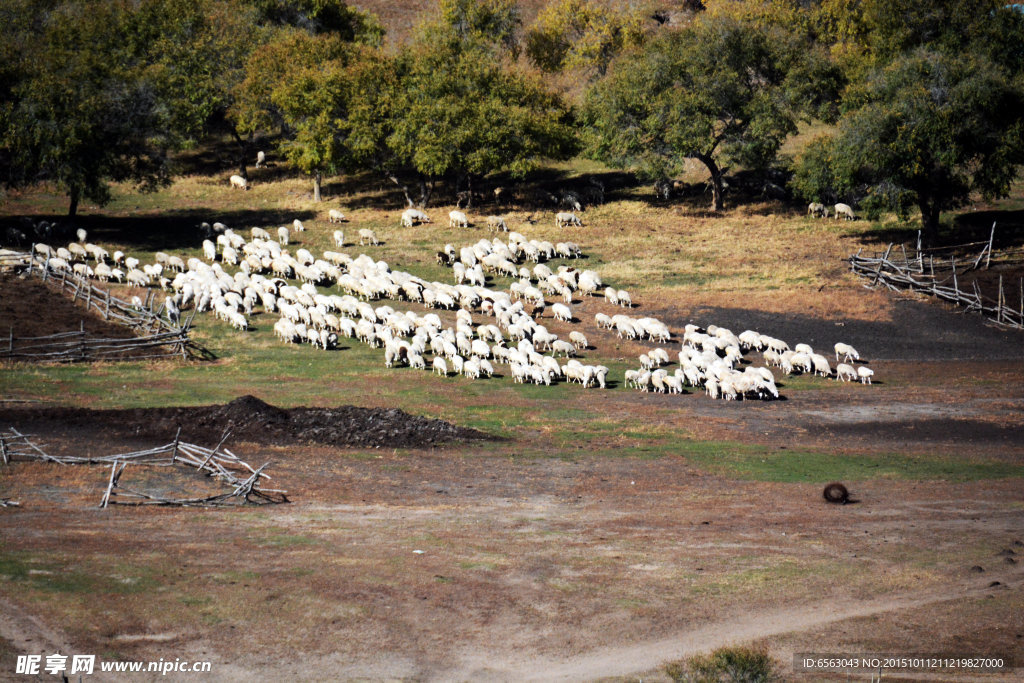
x=171 y=229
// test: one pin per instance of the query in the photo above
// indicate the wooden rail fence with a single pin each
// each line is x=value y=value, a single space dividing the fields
x=939 y=277
x=155 y=336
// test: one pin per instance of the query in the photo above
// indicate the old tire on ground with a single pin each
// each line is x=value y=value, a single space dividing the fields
x=836 y=493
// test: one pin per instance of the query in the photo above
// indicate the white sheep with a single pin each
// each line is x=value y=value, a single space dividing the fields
x=283 y=235
x=339 y=238
x=335 y=216
x=81 y=234
x=817 y=209
x=496 y=223
x=239 y=182
x=625 y=300
x=261 y=159
x=565 y=218
x=457 y=219
x=411 y=217
x=844 y=210
x=367 y=235
x=578 y=339
x=865 y=374
x=299 y=227
x=562 y=312
x=846 y=372
x=849 y=353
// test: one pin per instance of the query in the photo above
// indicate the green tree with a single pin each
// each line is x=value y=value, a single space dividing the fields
x=300 y=83
x=722 y=92
x=97 y=92
x=322 y=16
x=581 y=34
x=460 y=114
x=88 y=107
x=926 y=131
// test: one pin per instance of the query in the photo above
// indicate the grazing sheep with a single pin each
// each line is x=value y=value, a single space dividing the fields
x=821 y=366
x=282 y=235
x=239 y=182
x=625 y=300
x=367 y=235
x=261 y=159
x=496 y=223
x=562 y=312
x=335 y=216
x=817 y=209
x=846 y=372
x=849 y=353
x=411 y=217
x=81 y=234
x=299 y=227
x=865 y=374
x=565 y=218
x=846 y=211
x=457 y=219
x=339 y=238
x=578 y=339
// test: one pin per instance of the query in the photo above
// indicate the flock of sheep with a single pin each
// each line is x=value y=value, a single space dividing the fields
x=510 y=331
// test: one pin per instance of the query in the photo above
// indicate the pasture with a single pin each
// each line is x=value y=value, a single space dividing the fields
x=598 y=533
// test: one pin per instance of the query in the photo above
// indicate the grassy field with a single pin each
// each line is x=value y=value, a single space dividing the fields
x=619 y=513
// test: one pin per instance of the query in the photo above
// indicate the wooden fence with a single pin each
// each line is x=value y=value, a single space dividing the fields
x=241 y=480
x=931 y=272
x=155 y=337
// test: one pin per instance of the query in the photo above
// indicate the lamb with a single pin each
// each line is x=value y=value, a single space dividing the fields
x=369 y=236
x=564 y=218
x=817 y=209
x=239 y=182
x=846 y=372
x=865 y=374
x=299 y=227
x=496 y=223
x=335 y=216
x=611 y=295
x=849 y=353
x=846 y=211
x=457 y=219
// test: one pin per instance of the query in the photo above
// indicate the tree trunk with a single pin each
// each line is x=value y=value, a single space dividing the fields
x=717 y=199
x=469 y=191
x=317 y=179
x=242 y=149
x=930 y=218
x=74 y=195
x=426 y=189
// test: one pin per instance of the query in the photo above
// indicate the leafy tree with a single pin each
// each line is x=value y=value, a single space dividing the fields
x=87 y=106
x=479 y=23
x=322 y=16
x=580 y=34
x=301 y=84
x=460 y=114
x=926 y=131
x=722 y=92
x=95 y=92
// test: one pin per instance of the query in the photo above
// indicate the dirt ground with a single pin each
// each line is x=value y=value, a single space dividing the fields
x=447 y=557
x=28 y=308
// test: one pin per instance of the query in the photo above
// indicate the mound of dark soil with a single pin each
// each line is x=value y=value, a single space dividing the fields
x=249 y=420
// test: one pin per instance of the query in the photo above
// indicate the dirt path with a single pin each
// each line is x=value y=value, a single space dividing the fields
x=28 y=634
x=643 y=657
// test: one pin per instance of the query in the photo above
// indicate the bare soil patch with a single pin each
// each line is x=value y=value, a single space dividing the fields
x=28 y=308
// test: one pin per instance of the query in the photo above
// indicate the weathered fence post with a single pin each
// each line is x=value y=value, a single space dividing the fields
x=992 y=236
